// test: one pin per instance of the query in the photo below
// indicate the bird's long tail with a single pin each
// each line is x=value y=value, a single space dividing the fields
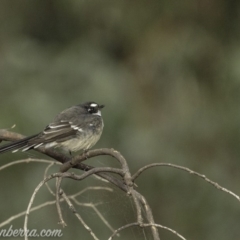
x=15 y=146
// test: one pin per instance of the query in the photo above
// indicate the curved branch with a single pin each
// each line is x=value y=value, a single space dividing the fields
x=143 y=226
x=188 y=170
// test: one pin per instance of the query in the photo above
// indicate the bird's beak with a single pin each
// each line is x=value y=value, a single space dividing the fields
x=101 y=106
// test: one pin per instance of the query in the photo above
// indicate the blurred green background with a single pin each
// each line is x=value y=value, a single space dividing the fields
x=169 y=75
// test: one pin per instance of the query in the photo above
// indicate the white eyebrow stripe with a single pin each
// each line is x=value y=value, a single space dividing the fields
x=93 y=105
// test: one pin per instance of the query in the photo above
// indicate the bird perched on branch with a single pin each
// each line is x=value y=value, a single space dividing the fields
x=76 y=128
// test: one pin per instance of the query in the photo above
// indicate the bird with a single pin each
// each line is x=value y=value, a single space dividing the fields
x=76 y=128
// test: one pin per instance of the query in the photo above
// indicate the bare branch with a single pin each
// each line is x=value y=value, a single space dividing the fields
x=92 y=188
x=58 y=194
x=94 y=207
x=78 y=216
x=28 y=160
x=137 y=174
x=31 y=202
x=93 y=153
x=143 y=226
x=45 y=175
x=7 y=135
x=12 y=218
x=149 y=214
x=73 y=197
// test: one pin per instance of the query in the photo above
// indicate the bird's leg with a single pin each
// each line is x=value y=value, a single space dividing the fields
x=70 y=152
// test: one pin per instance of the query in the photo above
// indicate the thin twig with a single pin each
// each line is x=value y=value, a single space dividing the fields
x=28 y=160
x=31 y=202
x=143 y=226
x=58 y=194
x=137 y=174
x=45 y=175
x=12 y=218
x=138 y=207
x=92 y=188
x=149 y=214
x=78 y=216
x=94 y=207
x=73 y=197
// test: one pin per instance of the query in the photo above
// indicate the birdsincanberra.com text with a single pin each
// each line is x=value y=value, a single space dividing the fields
x=10 y=232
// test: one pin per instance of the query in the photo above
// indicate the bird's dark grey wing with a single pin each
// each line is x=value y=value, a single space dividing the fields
x=57 y=132
x=63 y=130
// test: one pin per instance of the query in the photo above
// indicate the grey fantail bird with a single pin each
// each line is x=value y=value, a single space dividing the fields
x=76 y=128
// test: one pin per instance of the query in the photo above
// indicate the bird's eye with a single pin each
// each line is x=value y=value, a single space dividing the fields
x=92 y=110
